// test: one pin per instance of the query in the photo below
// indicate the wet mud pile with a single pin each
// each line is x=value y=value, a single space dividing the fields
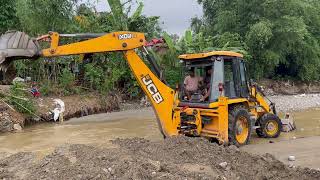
x=173 y=158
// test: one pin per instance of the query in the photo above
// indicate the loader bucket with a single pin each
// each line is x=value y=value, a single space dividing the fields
x=16 y=45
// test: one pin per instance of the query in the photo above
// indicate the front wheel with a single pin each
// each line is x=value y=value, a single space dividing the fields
x=239 y=129
x=270 y=126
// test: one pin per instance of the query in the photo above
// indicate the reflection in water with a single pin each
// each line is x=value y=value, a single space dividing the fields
x=99 y=129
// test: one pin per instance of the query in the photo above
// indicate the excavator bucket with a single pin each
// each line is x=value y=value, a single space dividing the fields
x=16 y=45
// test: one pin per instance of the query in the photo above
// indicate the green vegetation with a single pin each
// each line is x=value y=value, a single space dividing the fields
x=18 y=98
x=280 y=39
x=280 y=36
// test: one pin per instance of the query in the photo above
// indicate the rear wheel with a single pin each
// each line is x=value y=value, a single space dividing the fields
x=239 y=129
x=270 y=126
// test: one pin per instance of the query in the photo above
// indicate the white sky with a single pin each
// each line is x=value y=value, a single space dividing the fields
x=174 y=14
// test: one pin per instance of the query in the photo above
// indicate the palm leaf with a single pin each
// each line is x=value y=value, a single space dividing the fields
x=169 y=42
x=138 y=12
x=188 y=37
x=119 y=19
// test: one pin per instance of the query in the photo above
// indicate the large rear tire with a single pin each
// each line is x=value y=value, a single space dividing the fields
x=270 y=126
x=239 y=130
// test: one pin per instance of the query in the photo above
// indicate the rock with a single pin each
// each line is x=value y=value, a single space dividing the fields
x=105 y=170
x=36 y=119
x=157 y=165
x=6 y=124
x=18 y=79
x=223 y=165
x=17 y=127
x=221 y=178
x=144 y=101
x=112 y=172
x=235 y=148
x=228 y=168
x=291 y=158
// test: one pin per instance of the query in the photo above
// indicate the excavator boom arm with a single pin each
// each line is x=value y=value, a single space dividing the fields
x=116 y=41
x=160 y=95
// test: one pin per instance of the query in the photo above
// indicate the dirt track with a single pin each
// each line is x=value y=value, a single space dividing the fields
x=173 y=158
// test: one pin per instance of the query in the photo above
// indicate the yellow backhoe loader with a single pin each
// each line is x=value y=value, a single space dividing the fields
x=232 y=109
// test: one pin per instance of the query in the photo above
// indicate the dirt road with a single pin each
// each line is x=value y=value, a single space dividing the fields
x=305 y=150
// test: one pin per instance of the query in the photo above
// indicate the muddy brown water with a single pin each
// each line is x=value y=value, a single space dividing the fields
x=99 y=129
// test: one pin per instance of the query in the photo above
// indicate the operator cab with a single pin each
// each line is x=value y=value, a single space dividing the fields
x=207 y=76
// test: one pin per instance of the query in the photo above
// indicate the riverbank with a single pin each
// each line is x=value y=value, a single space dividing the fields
x=84 y=105
x=75 y=106
x=283 y=94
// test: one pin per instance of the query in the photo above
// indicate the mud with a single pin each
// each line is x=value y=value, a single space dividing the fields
x=173 y=158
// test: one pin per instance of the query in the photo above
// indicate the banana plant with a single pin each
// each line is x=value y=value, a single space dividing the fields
x=121 y=19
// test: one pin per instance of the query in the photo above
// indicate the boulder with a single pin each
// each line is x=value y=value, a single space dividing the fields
x=223 y=165
x=17 y=127
x=6 y=124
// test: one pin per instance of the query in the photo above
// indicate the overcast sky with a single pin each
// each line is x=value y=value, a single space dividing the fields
x=175 y=14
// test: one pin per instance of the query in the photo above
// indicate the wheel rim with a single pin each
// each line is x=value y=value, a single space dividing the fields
x=271 y=127
x=242 y=129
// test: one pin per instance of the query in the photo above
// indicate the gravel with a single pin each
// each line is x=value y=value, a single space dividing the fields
x=289 y=103
x=172 y=158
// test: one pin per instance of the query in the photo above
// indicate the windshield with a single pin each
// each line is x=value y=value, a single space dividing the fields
x=196 y=83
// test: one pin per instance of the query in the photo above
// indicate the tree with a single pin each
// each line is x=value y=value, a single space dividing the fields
x=281 y=37
x=8 y=18
x=41 y=16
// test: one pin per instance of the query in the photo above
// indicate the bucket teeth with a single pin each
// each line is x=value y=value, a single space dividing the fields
x=16 y=45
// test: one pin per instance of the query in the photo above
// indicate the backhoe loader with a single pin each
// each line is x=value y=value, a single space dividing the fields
x=234 y=108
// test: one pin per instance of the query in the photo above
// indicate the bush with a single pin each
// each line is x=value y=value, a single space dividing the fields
x=66 y=82
x=93 y=74
x=19 y=99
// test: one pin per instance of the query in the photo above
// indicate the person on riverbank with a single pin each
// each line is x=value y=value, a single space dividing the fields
x=34 y=90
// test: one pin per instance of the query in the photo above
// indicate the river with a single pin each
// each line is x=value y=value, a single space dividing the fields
x=101 y=128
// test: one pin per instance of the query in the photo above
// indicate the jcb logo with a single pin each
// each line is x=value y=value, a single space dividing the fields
x=153 y=90
x=125 y=36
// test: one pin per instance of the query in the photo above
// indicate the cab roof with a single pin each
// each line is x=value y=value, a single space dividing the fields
x=208 y=54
